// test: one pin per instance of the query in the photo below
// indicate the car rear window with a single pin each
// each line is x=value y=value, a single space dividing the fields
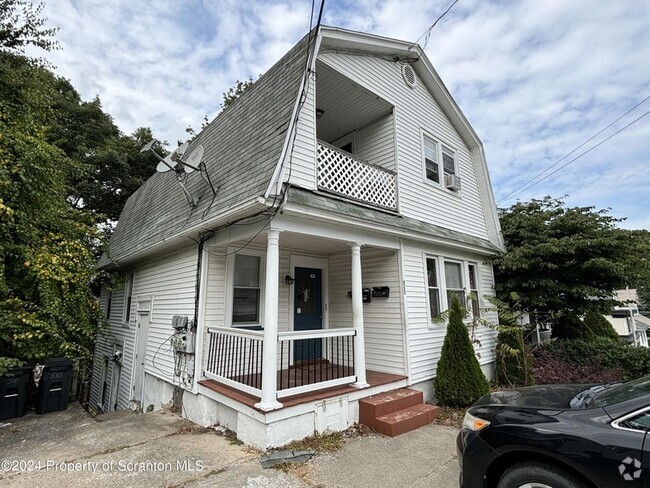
x=620 y=393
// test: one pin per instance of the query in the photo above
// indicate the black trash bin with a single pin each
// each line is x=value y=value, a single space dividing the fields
x=13 y=392
x=54 y=387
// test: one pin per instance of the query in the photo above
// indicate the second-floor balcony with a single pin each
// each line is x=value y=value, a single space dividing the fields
x=343 y=174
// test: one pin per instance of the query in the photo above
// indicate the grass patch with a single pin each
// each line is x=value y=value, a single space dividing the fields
x=326 y=442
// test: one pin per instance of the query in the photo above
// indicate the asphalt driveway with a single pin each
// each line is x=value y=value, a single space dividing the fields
x=70 y=448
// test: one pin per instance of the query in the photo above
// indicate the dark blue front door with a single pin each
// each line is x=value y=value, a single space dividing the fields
x=307 y=311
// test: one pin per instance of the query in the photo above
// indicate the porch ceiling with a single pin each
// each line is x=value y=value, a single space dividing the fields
x=347 y=105
x=292 y=240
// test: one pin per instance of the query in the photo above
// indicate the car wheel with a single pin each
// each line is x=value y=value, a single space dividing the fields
x=537 y=475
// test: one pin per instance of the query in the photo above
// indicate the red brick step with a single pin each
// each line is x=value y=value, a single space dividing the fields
x=396 y=412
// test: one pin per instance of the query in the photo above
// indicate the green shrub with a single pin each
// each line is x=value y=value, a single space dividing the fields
x=609 y=353
x=514 y=361
x=600 y=326
x=570 y=327
x=459 y=380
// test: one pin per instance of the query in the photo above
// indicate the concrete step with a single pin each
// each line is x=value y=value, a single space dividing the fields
x=406 y=420
x=375 y=406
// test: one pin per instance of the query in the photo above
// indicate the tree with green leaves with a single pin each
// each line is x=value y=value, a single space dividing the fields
x=561 y=261
x=459 y=380
x=46 y=307
x=235 y=91
x=21 y=25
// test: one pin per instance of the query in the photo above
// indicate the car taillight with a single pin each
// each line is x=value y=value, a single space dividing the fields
x=470 y=422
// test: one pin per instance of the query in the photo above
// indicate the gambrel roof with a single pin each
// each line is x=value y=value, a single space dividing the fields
x=242 y=148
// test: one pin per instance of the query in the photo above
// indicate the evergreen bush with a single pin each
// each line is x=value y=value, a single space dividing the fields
x=459 y=380
x=570 y=327
x=600 y=326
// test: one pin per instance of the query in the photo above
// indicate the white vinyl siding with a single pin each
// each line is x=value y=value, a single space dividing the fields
x=374 y=143
x=105 y=346
x=425 y=339
x=416 y=111
x=300 y=166
x=382 y=317
x=171 y=279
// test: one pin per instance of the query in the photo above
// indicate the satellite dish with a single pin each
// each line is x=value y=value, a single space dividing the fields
x=165 y=164
x=148 y=146
x=193 y=160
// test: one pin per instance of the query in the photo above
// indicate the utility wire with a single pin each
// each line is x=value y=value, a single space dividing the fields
x=574 y=150
x=582 y=154
x=427 y=33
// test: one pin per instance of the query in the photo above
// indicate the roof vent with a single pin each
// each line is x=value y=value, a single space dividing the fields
x=408 y=73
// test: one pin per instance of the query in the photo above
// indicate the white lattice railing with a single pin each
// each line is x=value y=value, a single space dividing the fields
x=350 y=177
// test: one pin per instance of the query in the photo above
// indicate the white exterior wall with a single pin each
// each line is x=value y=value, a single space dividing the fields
x=425 y=339
x=171 y=279
x=300 y=169
x=416 y=111
x=118 y=333
x=375 y=143
x=382 y=317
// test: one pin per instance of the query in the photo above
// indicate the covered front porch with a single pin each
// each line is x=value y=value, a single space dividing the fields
x=328 y=315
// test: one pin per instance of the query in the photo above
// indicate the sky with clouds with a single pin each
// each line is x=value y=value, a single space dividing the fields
x=535 y=78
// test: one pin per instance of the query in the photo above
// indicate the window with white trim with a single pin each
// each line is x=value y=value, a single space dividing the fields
x=246 y=290
x=473 y=289
x=434 y=153
x=447 y=279
x=433 y=286
x=454 y=283
x=128 y=296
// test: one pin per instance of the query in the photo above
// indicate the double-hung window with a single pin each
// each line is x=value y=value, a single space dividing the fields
x=448 y=280
x=473 y=289
x=433 y=286
x=439 y=160
x=454 y=283
x=246 y=290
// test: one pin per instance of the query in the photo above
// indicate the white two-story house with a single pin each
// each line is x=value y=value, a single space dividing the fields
x=340 y=203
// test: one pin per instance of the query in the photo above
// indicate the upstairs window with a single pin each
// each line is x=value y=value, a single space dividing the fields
x=440 y=163
x=246 y=290
x=128 y=296
x=432 y=170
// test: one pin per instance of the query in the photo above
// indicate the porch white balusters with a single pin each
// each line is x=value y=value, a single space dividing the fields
x=357 y=318
x=270 y=354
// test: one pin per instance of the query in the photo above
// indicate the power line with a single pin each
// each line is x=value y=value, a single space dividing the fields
x=572 y=151
x=582 y=154
x=427 y=33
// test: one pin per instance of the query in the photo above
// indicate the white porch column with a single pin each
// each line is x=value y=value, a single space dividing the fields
x=270 y=355
x=357 y=318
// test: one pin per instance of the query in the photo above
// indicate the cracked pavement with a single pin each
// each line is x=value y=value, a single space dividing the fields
x=126 y=449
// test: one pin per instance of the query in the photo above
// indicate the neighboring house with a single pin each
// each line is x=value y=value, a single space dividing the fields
x=626 y=319
x=353 y=202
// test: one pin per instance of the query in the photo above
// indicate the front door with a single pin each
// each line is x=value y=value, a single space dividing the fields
x=307 y=311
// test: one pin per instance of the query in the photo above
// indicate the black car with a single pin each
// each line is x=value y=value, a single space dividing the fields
x=558 y=436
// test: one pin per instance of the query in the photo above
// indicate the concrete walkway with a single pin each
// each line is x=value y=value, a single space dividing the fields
x=70 y=448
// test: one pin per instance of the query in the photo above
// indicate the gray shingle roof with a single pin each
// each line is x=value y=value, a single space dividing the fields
x=242 y=148
x=306 y=198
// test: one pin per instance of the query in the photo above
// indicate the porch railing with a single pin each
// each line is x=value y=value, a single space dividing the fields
x=343 y=174
x=315 y=359
x=307 y=360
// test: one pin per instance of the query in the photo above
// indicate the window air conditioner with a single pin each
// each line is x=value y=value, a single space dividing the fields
x=452 y=182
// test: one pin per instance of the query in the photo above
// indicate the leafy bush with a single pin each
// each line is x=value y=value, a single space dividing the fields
x=459 y=380
x=600 y=326
x=550 y=369
x=570 y=327
x=514 y=362
x=608 y=354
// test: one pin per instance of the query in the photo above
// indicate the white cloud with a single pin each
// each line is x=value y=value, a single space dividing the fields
x=534 y=78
